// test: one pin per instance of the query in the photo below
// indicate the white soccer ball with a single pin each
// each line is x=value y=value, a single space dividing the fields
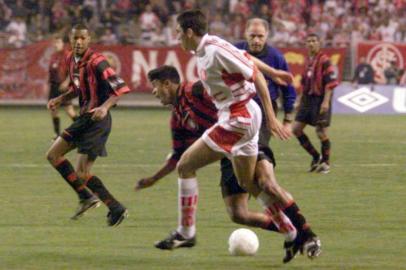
x=243 y=242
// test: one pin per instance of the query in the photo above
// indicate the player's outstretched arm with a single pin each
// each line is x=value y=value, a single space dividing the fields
x=272 y=122
x=279 y=76
x=146 y=182
x=54 y=103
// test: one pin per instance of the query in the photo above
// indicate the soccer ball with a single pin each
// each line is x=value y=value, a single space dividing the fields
x=243 y=242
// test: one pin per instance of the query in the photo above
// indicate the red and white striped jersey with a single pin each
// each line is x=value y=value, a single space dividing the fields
x=226 y=72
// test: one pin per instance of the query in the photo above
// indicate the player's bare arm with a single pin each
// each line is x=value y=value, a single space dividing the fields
x=280 y=77
x=100 y=112
x=325 y=105
x=272 y=122
x=146 y=182
x=54 y=103
x=64 y=86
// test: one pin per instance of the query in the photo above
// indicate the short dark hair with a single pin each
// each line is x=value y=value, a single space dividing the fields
x=58 y=36
x=193 y=19
x=313 y=35
x=164 y=73
x=80 y=26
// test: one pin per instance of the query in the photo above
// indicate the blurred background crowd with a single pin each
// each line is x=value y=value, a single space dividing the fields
x=341 y=23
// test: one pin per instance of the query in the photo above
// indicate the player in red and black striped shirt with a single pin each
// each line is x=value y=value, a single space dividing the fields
x=99 y=88
x=57 y=76
x=192 y=113
x=318 y=82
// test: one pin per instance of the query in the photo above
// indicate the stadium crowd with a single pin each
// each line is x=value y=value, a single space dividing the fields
x=341 y=23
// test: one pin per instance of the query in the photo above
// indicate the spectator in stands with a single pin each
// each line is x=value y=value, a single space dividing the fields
x=17 y=30
x=108 y=38
x=364 y=74
x=169 y=32
x=5 y=14
x=59 y=16
x=149 y=22
x=126 y=38
x=217 y=26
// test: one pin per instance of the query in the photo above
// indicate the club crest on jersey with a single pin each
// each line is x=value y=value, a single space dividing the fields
x=188 y=122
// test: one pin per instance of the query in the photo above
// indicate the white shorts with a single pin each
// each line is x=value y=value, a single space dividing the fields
x=236 y=132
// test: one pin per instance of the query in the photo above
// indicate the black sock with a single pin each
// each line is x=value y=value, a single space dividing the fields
x=66 y=170
x=325 y=151
x=57 y=126
x=307 y=145
x=272 y=227
x=297 y=219
x=97 y=187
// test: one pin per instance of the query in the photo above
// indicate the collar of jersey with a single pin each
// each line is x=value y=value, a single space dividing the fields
x=201 y=44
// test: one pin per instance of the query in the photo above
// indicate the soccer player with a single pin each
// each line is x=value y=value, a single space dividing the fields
x=98 y=88
x=318 y=82
x=231 y=79
x=57 y=76
x=192 y=114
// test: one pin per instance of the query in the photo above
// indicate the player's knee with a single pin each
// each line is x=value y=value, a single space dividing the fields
x=51 y=157
x=321 y=133
x=297 y=131
x=238 y=215
x=272 y=188
x=184 y=170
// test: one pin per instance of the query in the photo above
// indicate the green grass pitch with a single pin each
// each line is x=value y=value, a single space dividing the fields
x=358 y=209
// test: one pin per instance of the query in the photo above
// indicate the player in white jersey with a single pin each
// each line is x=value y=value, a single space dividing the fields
x=232 y=79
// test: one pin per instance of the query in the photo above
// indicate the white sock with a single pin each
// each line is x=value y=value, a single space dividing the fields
x=187 y=205
x=281 y=221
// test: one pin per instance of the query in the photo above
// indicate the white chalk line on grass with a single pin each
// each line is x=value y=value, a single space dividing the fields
x=141 y=165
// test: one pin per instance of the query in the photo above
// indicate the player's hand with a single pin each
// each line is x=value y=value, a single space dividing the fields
x=279 y=81
x=324 y=107
x=282 y=77
x=144 y=183
x=98 y=113
x=53 y=104
x=278 y=130
x=287 y=126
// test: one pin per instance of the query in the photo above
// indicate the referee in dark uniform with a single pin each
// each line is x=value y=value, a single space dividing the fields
x=318 y=82
x=98 y=88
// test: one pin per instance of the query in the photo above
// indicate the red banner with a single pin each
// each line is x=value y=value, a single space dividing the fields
x=380 y=55
x=24 y=72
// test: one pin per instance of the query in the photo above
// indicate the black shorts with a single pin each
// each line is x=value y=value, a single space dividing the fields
x=54 y=92
x=229 y=183
x=89 y=136
x=309 y=112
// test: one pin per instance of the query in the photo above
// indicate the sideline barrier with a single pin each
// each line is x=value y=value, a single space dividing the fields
x=367 y=99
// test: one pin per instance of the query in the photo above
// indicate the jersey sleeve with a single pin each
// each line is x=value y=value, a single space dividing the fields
x=329 y=75
x=234 y=60
x=107 y=74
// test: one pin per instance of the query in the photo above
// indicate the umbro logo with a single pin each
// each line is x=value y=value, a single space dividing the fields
x=363 y=100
